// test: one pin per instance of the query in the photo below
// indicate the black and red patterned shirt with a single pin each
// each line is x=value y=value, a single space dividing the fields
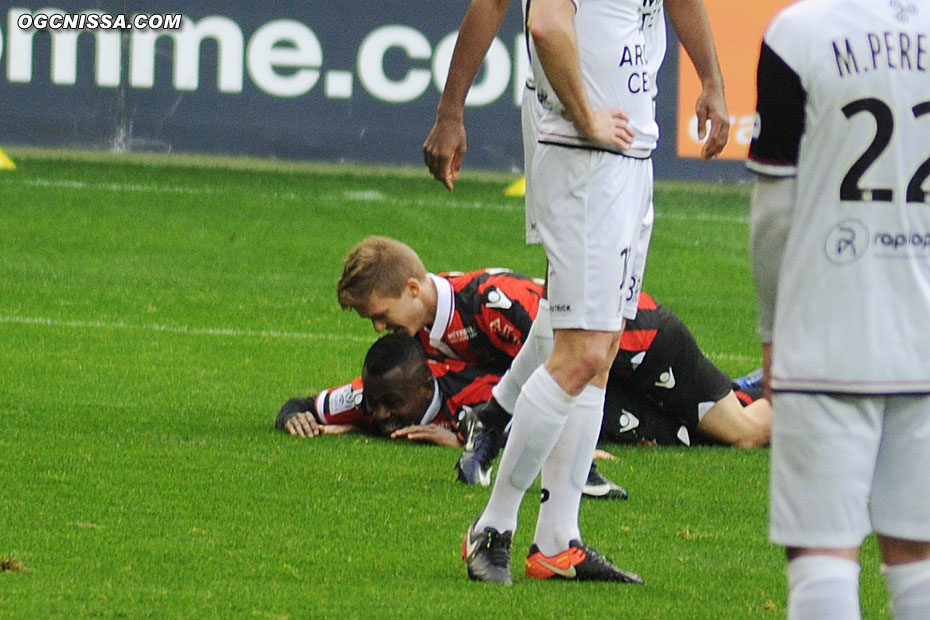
x=639 y=334
x=458 y=385
x=482 y=317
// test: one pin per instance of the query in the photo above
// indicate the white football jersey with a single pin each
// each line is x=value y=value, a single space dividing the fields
x=844 y=107
x=619 y=62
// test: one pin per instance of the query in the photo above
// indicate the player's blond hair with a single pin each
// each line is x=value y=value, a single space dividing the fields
x=377 y=265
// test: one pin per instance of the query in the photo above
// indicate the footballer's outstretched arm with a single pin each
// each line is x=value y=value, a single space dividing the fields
x=689 y=19
x=445 y=145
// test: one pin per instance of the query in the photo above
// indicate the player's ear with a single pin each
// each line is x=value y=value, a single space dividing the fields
x=412 y=285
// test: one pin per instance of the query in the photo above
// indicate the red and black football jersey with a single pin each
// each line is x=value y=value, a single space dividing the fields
x=460 y=385
x=487 y=319
x=639 y=335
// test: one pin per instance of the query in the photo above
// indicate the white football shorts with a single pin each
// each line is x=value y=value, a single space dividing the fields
x=591 y=207
x=844 y=466
x=530 y=113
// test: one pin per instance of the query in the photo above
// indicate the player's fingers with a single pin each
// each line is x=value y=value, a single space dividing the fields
x=294 y=428
x=626 y=135
x=618 y=113
x=307 y=424
x=401 y=432
x=719 y=135
x=701 y=114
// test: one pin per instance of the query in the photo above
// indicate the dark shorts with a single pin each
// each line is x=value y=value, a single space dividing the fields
x=660 y=400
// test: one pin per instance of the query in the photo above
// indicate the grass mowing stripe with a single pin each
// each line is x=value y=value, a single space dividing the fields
x=182 y=329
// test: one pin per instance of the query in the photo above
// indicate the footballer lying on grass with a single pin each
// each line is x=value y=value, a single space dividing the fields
x=403 y=394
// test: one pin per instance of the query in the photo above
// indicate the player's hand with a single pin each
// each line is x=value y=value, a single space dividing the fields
x=604 y=455
x=444 y=150
x=711 y=106
x=303 y=425
x=431 y=433
x=609 y=127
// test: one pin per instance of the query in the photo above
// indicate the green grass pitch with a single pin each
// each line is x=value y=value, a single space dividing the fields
x=156 y=311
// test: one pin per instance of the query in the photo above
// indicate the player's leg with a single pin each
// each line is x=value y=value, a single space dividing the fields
x=540 y=415
x=586 y=311
x=532 y=355
x=823 y=583
x=824 y=451
x=689 y=389
x=732 y=423
x=563 y=478
x=901 y=505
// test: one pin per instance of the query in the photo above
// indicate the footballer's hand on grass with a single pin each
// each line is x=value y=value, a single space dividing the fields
x=302 y=425
x=604 y=455
x=431 y=433
x=444 y=150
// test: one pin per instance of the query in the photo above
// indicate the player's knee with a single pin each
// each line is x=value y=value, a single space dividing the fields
x=593 y=362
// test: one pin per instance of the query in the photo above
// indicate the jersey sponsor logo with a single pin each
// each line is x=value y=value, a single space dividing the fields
x=560 y=307
x=498 y=301
x=847 y=242
x=344 y=398
x=666 y=379
x=462 y=335
x=504 y=330
x=901 y=241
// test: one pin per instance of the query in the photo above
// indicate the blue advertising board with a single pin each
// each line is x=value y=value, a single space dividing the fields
x=297 y=80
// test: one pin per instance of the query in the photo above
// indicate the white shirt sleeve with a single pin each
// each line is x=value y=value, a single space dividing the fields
x=769 y=222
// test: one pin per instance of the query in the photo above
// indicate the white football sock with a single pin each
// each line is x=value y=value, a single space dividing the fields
x=909 y=586
x=532 y=355
x=823 y=586
x=565 y=472
x=538 y=420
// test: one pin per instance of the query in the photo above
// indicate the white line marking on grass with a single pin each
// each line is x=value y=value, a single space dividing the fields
x=704 y=217
x=374 y=196
x=141 y=187
x=182 y=329
x=734 y=357
x=370 y=196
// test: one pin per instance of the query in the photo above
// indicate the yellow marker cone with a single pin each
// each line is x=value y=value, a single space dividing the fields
x=5 y=162
x=517 y=188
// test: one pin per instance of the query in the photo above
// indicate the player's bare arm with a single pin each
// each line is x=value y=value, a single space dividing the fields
x=550 y=23
x=445 y=145
x=428 y=433
x=689 y=19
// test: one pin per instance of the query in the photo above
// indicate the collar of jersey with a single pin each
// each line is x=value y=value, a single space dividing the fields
x=445 y=308
x=433 y=408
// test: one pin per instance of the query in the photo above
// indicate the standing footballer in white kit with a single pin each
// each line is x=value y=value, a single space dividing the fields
x=841 y=257
x=592 y=185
